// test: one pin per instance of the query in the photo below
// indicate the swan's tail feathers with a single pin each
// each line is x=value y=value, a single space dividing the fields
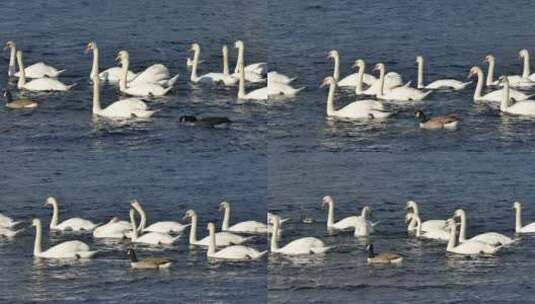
x=284 y=220
x=71 y=86
x=144 y=113
x=259 y=255
x=86 y=254
x=58 y=73
x=464 y=85
x=298 y=90
x=376 y=223
x=172 y=81
x=408 y=84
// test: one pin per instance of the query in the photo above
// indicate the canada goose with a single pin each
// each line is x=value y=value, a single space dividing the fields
x=19 y=103
x=449 y=121
x=208 y=122
x=382 y=258
x=148 y=263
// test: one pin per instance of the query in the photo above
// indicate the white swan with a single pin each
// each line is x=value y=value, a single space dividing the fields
x=360 y=109
x=231 y=253
x=508 y=105
x=161 y=227
x=213 y=77
x=259 y=68
x=74 y=224
x=516 y=81
x=426 y=225
x=491 y=61
x=277 y=88
x=496 y=95
x=529 y=228
x=362 y=76
x=491 y=238
x=258 y=94
x=431 y=234
x=114 y=229
x=8 y=233
x=122 y=109
x=254 y=227
x=6 y=221
x=111 y=75
x=437 y=84
x=302 y=246
x=65 y=250
x=277 y=77
x=347 y=223
x=401 y=93
x=526 y=71
x=364 y=227
x=151 y=238
x=350 y=80
x=151 y=82
x=40 y=84
x=467 y=248
x=222 y=238
x=37 y=70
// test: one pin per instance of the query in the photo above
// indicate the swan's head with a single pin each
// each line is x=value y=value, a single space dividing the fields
x=224 y=205
x=459 y=213
x=50 y=201
x=366 y=211
x=379 y=67
x=90 y=46
x=474 y=71
x=135 y=203
x=523 y=53
x=238 y=44
x=517 y=205
x=189 y=214
x=489 y=58
x=210 y=227
x=9 y=45
x=504 y=80
x=195 y=47
x=419 y=59
x=411 y=204
x=359 y=63
x=327 y=81
x=326 y=201
x=451 y=223
x=224 y=49
x=408 y=217
x=272 y=218
x=36 y=222
x=332 y=54
x=122 y=56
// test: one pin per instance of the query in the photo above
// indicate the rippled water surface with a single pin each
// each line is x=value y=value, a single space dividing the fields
x=283 y=156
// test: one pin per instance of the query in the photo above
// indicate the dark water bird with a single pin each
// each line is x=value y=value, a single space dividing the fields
x=18 y=103
x=449 y=121
x=208 y=122
x=148 y=263
x=382 y=258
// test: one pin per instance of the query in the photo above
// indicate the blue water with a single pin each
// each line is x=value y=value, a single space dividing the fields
x=282 y=157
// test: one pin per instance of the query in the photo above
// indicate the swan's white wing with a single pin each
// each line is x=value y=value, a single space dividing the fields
x=114 y=75
x=237 y=253
x=249 y=227
x=492 y=238
x=346 y=223
x=525 y=107
x=46 y=84
x=258 y=94
x=69 y=249
x=166 y=227
x=39 y=70
x=152 y=74
x=76 y=224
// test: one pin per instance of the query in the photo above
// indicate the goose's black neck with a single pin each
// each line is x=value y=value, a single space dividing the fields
x=132 y=255
x=7 y=96
x=371 y=254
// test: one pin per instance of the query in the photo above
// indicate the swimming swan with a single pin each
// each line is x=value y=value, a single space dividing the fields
x=437 y=84
x=114 y=229
x=401 y=93
x=161 y=227
x=496 y=95
x=234 y=253
x=364 y=227
x=73 y=224
x=529 y=228
x=258 y=94
x=39 y=84
x=253 y=227
x=151 y=238
x=491 y=238
x=343 y=224
x=222 y=238
x=515 y=81
x=254 y=72
x=277 y=77
x=65 y=250
x=302 y=246
x=37 y=70
x=211 y=78
x=428 y=225
x=509 y=105
x=467 y=248
x=121 y=109
x=111 y=75
x=431 y=234
x=360 y=109
x=350 y=80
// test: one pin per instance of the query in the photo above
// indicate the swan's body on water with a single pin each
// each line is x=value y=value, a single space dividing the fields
x=491 y=238
x=468 y=247
x=496 y=95
x=111 y=75
x=114 y=229
x=437 y=84
x=65 y=250
x=221 y=238
x=412 y=208
x=73 y=224
x=39 y=84
x=161 y=227
x=400 y=93
x=253 y=227
x=302 y=246
x=519 y=228
x=235 y=253
x=36 y=70
x=150 y=238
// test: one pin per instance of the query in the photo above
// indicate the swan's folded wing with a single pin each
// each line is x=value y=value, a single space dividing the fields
x=152 y=74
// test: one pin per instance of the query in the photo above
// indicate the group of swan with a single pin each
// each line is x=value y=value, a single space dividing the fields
x=360 y=224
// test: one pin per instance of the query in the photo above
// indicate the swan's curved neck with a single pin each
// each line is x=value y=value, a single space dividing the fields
x=479 y=85
x=451 y=241
x=211 y=243
x=336 y=72
x=526 y=69
x=240 y=60
x=124 y=73
x=462 y=233
x=364 y=213
x=22 y=76
x=274 y=236
x=95 y=67
x=196 y=56
x=225 y=62
x=133 y=223
x=381 y=82
x=518 y=219
x=490 y=72
x=11 y=71
x=241 y=84
x=96 y=91
x=360 y=79
x=226 y=219
x=505 y=100
x=330 y=99
x=330 y=215
x=143 y=221
x=55 y=215
x=420 y=74
x=193 y=230
x=418 y=225
x=37 y=244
